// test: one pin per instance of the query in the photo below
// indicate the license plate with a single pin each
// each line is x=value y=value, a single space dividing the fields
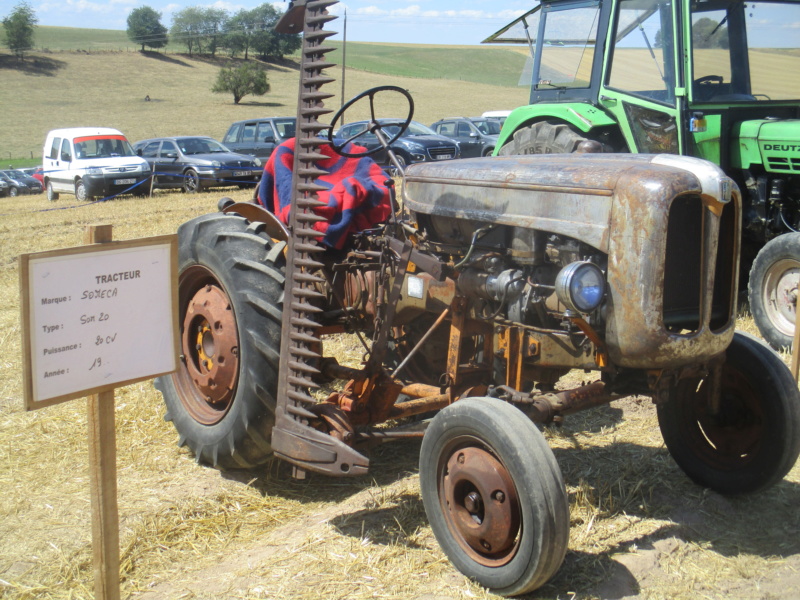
x=444 y=157
x=241 y=173
x=124 y=181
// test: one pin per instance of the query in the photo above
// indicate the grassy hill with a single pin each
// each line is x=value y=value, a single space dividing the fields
x=492 y=65
x=104 y=82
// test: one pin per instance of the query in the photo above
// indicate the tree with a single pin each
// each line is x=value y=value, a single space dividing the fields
x=707 y=33
x=247 y=78
x=239 y=32
x=19 y=26
x=214 y=20
x=188 y=27
x=145 y=28
x=254 y=30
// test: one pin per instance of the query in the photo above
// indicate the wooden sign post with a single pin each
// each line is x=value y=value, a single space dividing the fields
x=95 y=318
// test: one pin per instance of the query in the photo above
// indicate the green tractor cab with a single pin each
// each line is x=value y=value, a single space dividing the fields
x=710 y=79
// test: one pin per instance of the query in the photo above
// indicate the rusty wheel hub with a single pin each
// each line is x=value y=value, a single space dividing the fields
x=481 y=505
x=211 y=346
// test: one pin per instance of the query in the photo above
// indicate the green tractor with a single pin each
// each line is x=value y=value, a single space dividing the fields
x=714 y=79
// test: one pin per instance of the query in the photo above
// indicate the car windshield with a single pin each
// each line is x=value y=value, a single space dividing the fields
x=414 y=128
x=15 y=174
x=200 y=146
x=487 y=127
x=102 y=146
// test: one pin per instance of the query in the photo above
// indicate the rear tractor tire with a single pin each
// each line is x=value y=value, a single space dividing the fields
x=548 y=137
x=773 y=287
x=222 y=397
x=751 y=439
x=494 y=495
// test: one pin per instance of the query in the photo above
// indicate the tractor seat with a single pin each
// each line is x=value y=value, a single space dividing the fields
x=356 y=197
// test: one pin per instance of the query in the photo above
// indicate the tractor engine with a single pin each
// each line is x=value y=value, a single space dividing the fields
x=528 y=242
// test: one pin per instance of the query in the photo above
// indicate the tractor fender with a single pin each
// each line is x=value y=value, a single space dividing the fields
x=581 y=115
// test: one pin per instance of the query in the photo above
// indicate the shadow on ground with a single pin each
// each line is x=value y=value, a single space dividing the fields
x=40 y=66
x=165 y=58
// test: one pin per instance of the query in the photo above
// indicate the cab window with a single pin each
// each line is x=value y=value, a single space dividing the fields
x=641 y=63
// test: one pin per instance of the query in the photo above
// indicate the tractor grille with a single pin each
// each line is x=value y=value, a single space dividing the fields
x=685 y=288
x=783 y=164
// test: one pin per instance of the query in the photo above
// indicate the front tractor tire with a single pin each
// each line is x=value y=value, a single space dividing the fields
x=494 y=495
x=750 y=440
x=544 y=137
x=772 y=289
x=222 y=397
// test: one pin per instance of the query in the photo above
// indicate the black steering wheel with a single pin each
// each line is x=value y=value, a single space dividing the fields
x=709 y=80
x=373 y=126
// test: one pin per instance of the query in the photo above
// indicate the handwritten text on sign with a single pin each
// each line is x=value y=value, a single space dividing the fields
x=99 y=316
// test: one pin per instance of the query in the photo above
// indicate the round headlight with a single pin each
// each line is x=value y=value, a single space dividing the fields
x=581 y=286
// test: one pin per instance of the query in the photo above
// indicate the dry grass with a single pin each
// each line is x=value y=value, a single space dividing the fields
x=639 y=528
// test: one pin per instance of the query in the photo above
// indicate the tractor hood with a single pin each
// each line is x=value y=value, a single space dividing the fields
x=572 y=194
x=774 y=143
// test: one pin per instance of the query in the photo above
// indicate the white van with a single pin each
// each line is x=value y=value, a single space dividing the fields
x=92 y=162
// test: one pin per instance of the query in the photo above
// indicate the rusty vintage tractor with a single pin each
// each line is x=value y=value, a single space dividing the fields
x=493 y=280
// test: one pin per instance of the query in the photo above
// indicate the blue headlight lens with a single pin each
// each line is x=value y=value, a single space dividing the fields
x=581 y=286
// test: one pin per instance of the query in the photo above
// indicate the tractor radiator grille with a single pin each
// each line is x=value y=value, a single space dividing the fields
x=690 y=302
x=783 y=164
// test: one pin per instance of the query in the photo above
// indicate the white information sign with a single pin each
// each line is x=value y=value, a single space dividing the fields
x=99 y=316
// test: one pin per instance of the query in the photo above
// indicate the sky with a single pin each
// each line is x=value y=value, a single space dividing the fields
x=396 y=21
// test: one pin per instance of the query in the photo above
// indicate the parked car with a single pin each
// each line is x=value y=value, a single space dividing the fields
x=418 y=143
x=259 y=137
x=496 y=115
x=92 y=162
x=3 y=188
x=477 y=136
x=19 y=183
x=194 y=163
x=36 y=172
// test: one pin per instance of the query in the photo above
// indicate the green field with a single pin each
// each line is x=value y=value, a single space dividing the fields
x=96 y=77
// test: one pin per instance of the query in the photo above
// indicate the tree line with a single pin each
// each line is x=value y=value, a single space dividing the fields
x=203 y=30
x=208 y=30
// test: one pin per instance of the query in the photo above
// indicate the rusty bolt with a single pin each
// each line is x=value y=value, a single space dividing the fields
x=461 y=459
x=499 y=496
x=487 y=546
x=473 y=503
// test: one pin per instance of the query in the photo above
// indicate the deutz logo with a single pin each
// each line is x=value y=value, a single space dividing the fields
x=782 y=147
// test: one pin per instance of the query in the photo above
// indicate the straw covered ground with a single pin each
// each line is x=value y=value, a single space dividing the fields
x=639 y=527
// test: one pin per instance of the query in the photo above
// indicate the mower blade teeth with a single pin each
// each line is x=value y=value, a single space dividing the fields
x=299 y=411
x=303 y=367
x=302 y=382
x=305 y=307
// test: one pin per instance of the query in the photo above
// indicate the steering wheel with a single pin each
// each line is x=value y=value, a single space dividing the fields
x=373 y=125
x=709 y=80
